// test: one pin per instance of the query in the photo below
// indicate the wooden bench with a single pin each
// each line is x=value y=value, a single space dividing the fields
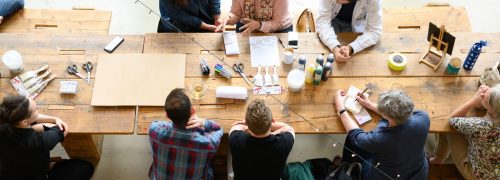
x=455 y=19
x=55 y=21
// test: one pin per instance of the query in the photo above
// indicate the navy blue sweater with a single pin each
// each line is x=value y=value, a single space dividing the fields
x=189 y=18
x=399 y=149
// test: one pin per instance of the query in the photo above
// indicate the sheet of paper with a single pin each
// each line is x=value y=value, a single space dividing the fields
x=137 y=79
x=363 y=116
x=231 y=43
x=266 y=90
x=350 y=102
x=264 y=51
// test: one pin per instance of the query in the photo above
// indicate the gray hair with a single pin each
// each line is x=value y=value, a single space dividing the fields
x=396 y=105
x=495 y=103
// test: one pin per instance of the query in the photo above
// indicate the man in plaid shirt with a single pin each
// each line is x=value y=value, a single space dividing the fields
x=183 y=148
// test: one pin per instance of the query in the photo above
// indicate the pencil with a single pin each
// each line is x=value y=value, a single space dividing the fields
x=361 y=94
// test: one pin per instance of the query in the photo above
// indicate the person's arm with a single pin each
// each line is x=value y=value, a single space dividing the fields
x=214 y=132
x=181 y=15
x=42 y=118
x=49 y=138
x=238 y=127
x=279 y=127
x=236 y=12
x=373 y=30
x=347 y=121
x=215 y=8
x=280 y=20
x=471 y=126
x=324 y=24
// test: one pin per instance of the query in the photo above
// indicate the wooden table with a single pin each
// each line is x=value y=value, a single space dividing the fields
x=86 y=123
x=433 y=91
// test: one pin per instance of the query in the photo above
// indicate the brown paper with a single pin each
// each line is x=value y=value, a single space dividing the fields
x=137 y=79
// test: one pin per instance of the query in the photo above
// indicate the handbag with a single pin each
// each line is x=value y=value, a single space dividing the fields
x=346 y=171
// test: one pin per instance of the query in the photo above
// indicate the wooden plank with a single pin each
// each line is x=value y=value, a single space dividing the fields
x=95 y=120
x=438 y=96
x=406 y=42
x=52 y=21
x=361 y=65
x=44 y=44
x=455 y=19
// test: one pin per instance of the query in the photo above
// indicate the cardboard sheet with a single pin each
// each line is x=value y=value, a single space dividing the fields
x=137 y=79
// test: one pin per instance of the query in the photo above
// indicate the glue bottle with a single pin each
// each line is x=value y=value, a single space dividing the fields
x=326 y=71
x=310 y=73
x=302 y=63
x=318 y=72
x=474 y=52
x=330 y=58
x=319 y=60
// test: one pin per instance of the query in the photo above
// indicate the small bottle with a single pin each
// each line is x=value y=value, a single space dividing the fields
x=317 y=75
x=319 y=60
x=302 y=63
x=326 y=71
x=310 y=73
x=330 y=58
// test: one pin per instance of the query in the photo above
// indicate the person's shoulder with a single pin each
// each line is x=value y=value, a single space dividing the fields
x=159 y=126
x=420 y=114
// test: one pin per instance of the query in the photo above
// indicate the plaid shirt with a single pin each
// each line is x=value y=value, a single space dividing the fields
x=183 y=154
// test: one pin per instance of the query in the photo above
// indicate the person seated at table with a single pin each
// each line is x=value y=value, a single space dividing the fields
x=396 y=144
x=26 y=138
x=476 y=155
x=360 y=16
x=183 y=148
x=7 y=7
x=259 y=145
x=267 y=16
x=189 y=16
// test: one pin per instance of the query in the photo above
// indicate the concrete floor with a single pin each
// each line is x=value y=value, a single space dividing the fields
x=128 y=157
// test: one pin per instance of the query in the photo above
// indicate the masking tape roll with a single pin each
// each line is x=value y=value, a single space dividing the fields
x=397 y=61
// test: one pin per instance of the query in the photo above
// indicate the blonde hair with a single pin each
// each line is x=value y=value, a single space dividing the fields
x=494 y=102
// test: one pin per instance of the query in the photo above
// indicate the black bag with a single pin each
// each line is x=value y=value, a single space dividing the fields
x=346 y=171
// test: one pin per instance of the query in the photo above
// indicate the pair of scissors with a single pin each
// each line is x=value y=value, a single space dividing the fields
x=73 y=69
x=239 y=69
x=88 y=68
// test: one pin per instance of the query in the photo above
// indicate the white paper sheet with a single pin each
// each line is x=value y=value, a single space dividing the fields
x=264 y=51
x=363 y=116
x=231 y=43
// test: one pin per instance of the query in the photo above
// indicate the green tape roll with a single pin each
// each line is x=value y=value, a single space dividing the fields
x=397 y=61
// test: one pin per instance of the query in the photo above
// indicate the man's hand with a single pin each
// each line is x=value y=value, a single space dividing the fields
x=1 y=19
x=195 y=122
x=346 y=51
x=220 y=23
x=249 y=27
x=339 y=100
x=340 y=55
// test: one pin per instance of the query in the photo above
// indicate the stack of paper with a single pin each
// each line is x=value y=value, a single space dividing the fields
x=264 y=51
x=231 y=43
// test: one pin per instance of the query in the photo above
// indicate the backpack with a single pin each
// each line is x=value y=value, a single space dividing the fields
x=346 y=171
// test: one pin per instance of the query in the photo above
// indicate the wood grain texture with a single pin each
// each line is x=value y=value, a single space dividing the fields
x=45 y=44
x=406 y=42
x=437 y=96
x=52 y=21
x=455 y=19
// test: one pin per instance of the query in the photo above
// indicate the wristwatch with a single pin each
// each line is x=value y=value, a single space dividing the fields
x=342 y=111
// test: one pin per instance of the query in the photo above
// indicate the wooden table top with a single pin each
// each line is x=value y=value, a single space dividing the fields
x=59 y=51
x=433 y=91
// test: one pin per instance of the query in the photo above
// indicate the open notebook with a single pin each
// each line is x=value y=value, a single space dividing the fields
x=350 y=103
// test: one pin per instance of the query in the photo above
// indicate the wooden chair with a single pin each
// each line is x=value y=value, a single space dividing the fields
x=306 y=23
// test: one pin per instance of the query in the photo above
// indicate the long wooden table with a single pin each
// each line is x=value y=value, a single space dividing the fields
x=86 y=123
x=311 y=110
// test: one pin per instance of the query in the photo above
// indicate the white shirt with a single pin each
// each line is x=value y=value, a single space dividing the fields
x=366 y=19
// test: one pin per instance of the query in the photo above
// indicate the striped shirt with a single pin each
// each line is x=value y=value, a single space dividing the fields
x=183 y=154
x=281 y=18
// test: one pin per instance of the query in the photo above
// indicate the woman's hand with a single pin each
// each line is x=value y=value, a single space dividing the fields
x=249 y=27
x=476 y=99
x=339 y=100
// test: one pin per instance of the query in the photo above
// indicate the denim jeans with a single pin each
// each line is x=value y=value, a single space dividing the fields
x=7 y=7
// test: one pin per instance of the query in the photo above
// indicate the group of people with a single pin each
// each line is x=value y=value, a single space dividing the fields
x=184 y=146
x=272 y=16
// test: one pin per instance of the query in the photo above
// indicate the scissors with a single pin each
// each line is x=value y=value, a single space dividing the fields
x=88 y=68
x=73 y=69
x=239 y=69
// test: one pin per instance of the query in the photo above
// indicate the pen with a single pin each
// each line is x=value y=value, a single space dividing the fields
x=361 y=94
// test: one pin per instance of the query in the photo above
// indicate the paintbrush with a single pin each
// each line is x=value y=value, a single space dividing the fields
x=31 y=74
x=39 y=86
x=36 y=79
x=362 y=93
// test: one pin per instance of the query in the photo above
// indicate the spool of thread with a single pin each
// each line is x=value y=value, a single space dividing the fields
x=454 y=66
x=397 y=61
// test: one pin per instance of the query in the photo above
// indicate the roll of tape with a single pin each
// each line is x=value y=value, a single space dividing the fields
x=454 y=66
x=397 y=61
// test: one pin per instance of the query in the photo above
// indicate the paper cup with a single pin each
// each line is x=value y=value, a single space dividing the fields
x=13 y=61
x=288 y=56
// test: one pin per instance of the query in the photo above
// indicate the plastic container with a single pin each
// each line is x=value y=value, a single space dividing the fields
x=13 y=60
x=295 y=79
x=310 y=73
x=326 y=71
x=317 y=75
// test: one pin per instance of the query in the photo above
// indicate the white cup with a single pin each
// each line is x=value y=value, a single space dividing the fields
x=288 y=56
x=296 y=79
x=13 y=60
